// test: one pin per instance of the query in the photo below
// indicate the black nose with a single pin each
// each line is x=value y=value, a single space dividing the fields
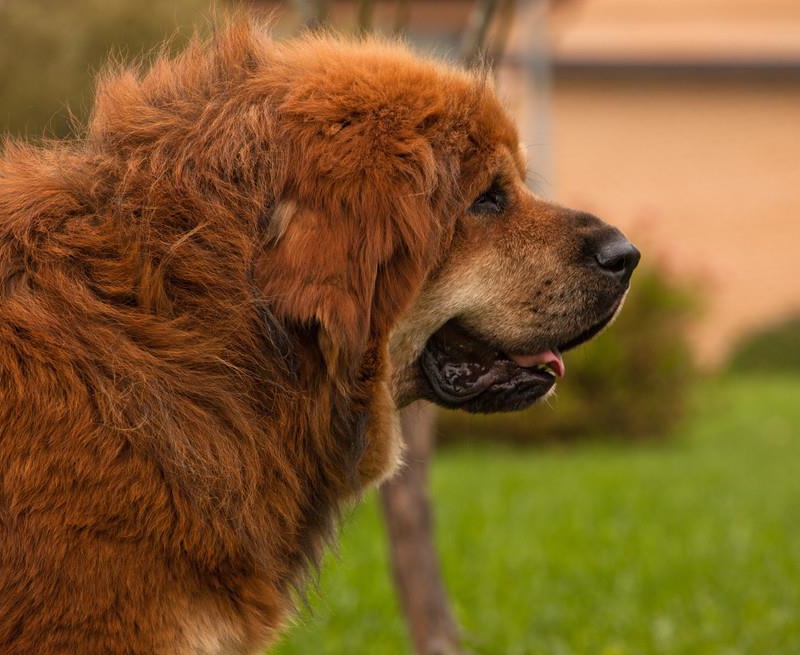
x=617 y=257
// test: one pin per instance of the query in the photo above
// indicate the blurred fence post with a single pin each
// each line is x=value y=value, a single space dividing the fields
x=409 y=521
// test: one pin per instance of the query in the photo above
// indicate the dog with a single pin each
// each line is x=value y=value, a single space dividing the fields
x=213 y=303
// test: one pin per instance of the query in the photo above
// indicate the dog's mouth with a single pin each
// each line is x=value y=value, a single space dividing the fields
x=466 y=372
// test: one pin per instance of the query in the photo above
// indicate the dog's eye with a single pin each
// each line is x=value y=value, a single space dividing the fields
x=491 y=201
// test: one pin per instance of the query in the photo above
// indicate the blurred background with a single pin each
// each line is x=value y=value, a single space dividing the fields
x=653 y=505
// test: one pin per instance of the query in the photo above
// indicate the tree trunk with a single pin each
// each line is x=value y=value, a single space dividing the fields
x=409 y=522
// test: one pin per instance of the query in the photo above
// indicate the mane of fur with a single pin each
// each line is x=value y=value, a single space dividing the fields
x=160 y=382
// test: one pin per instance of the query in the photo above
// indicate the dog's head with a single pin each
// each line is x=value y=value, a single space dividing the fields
x=522 y=282
x=404 y=223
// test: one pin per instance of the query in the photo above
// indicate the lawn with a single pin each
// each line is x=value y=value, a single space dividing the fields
x=690 y=547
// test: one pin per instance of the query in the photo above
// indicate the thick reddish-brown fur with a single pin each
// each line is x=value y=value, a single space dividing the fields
x=195 y=303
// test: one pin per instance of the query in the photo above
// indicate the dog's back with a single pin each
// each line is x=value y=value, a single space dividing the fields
x=133 y=449
x=76 y=499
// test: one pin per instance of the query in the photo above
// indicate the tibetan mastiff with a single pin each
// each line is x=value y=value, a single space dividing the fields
x=212 y=304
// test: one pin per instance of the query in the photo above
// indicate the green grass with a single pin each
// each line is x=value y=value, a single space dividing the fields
x=690 y=547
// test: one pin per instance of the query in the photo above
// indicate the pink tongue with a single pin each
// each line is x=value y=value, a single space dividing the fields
x=549 y=358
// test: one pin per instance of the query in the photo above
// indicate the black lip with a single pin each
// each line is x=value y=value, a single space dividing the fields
x=506 y=396
x=465 y=372
x=456 y=399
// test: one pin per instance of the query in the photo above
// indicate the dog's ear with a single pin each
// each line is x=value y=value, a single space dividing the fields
x=319 y=270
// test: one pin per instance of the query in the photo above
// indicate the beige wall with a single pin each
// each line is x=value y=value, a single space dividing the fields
x=704 y=173
x=678 y=29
